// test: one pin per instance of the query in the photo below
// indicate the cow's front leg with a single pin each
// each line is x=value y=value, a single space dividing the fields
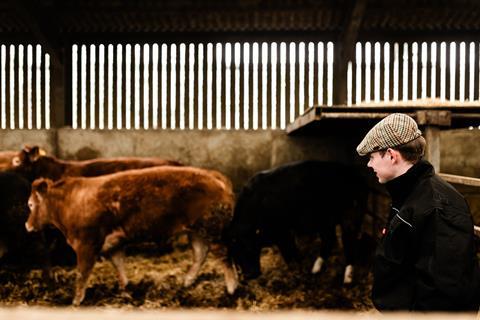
x=328 y=242
x=350 y=250
x=200 y=251
x=288 y=249
x=86 y=257
x=230 y=274
x=117 y=258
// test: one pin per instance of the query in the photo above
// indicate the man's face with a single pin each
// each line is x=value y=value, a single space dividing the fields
x=382 y=165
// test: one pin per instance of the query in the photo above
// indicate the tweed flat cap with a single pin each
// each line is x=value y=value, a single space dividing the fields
x=392 y=131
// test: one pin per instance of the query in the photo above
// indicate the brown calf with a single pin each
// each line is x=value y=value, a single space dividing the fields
x=98 y=215
x=31 y=163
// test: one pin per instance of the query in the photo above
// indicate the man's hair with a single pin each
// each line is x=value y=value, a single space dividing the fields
x=412 y=151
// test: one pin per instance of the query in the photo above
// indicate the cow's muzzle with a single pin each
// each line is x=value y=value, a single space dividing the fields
x=29 y=227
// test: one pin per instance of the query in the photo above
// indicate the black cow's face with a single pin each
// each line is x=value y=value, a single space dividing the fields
x=244 y=248
x=24 y=161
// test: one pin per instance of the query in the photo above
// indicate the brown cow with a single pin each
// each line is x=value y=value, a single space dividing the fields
x=31 y=163
x=98 y=215
x=7 y=160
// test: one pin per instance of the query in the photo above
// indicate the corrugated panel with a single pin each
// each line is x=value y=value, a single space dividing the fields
x=178 y=16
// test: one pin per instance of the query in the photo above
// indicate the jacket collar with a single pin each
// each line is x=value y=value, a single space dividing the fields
x=401 y=187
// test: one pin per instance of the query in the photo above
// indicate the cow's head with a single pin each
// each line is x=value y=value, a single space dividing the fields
x=39 y=214
x=244 y=246
x=23 y=162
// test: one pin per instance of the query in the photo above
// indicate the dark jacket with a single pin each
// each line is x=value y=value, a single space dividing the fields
x=426 y=259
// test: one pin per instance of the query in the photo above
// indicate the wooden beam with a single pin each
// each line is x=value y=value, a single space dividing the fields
x=463 y=180
x=42 y=28
x=345 y=49
x=434 y=117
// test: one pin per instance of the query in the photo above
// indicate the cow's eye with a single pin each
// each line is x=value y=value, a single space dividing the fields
x=30 y=205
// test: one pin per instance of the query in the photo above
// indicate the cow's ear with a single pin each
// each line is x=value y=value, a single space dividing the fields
x=39 y=196
x=41 y=187
x=34 y=153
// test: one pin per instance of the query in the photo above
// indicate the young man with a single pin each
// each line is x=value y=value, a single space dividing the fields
x=426 y=259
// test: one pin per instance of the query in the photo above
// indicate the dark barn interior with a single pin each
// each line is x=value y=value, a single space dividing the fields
x=239 y=87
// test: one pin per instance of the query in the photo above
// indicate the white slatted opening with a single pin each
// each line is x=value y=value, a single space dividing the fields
x=240 y=86
x=405 y=72
x=24 y=87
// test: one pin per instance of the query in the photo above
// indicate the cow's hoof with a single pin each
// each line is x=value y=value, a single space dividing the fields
x=77 y=301
x=126 y=295
x=232 y=286
x=348 y=275
x=122 y=283
x=188 y=281
x=317 y=265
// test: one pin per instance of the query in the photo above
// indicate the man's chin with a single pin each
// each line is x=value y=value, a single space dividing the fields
x=382 y=181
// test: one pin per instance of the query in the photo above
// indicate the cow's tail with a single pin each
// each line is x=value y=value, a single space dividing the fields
x=227 y=196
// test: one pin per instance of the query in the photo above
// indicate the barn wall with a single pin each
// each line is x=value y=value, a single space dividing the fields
x=460 y=154
x=15 y=139
x=238 y=154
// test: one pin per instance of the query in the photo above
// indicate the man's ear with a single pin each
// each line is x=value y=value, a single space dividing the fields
x=394 y=155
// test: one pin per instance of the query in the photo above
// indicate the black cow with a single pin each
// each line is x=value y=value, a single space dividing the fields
x=17 y=247
x=302 y=198
x=14 y=193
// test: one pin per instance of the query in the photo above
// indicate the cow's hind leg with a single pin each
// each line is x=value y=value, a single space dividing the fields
x=350 y=234
x=113 y=241
x=117 y=258
x=200 y=251
x=231 y=277
x=349 y=239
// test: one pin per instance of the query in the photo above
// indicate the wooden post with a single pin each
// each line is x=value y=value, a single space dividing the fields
x=432 y=151
x=432 y=120
x=345 y=50
x=58 y=100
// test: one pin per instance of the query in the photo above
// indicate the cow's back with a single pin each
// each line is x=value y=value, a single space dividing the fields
x=301 y=195
x=97 y=167
x=157 y=201
x=56 y=169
